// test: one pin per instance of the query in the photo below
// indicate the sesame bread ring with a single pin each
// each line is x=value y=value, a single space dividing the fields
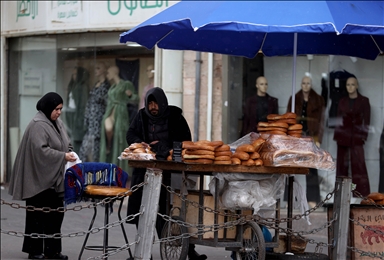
x=201 y=156
x=275 y=132
x=199 y=161
x=199 y=152
x=222 y=148
x=198 y=147
x=289 y=121
x=222 y=162
x=223 y=158
x=258 y=143
x=136 y=145
x=376 y=196
x=263 y=129
x=223 y=153
x=295 y=127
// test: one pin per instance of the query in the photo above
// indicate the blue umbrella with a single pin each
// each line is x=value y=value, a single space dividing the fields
x=243 y=28
x=275 y=28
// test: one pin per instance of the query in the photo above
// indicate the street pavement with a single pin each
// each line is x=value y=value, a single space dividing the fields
x=13 y=219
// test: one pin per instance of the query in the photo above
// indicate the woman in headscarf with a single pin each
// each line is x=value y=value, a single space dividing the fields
x=38 y=176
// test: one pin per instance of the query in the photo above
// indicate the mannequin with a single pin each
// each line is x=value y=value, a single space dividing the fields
x=151 y=76
x=258 y=107
x=354 y=111
x=77 y=98
x=115 y=121
x=309 y=108
x=94 y=111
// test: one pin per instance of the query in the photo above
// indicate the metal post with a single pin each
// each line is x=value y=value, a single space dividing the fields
x=289 y=213
x=341 y=213
x=147 y=221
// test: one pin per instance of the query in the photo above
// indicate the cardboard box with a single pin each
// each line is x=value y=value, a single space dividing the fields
x=192 y=215
x=360 y=238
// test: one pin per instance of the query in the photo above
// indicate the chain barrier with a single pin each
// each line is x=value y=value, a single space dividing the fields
x=371 y=203
x=364 y=253
x=75 y=208
x=269 y=222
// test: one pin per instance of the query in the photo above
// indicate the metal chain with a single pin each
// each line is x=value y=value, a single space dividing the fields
x=282 y=220
x=74 y=234
x=364 y=253
x=113 y=252
x=371 y=203
x=75 y=208
x=377 y=231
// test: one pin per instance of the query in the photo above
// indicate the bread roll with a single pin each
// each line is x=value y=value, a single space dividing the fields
x=295 y=135
x=272 y=124
x=258 y=143
x=376 y=196
x=367 y=201
x=259 y=162
x=136 y=145
x=294 y=131
x=249 y=162
x=241 y=155
x=287 y=115
x=235 y=160
x=245 y=148
x=139 y=150
x=223 y=153
x=254 y=155
x=199 y=152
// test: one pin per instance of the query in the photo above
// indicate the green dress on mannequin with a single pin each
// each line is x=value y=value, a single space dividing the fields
x=115 y=121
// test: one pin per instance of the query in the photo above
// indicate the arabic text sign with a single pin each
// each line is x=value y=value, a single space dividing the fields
x=66 y=11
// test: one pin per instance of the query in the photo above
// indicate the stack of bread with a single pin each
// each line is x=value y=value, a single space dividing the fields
x=373 y=198
x=284 y=124
x=248 y=154
x=202 y=152
x=223 y=154
x=138 y=151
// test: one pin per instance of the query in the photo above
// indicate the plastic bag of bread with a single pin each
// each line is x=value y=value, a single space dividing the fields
x=285 y=150
x=138 y=151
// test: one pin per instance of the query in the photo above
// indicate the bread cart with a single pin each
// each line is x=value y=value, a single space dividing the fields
x=245 y=246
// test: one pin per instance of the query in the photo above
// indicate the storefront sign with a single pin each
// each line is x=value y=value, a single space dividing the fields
x=32 y=83
x=32 y=16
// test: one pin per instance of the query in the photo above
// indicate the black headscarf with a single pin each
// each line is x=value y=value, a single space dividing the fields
x=158 y=95
x=48 y=103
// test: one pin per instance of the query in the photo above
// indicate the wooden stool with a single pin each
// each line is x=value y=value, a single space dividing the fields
x=102 y=192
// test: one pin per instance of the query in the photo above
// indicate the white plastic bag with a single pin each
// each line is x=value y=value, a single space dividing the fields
x=70 y=164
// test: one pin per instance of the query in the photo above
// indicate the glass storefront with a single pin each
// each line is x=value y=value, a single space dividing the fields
x=71 y=65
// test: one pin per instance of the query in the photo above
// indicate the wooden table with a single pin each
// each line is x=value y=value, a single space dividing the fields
x=208 y=169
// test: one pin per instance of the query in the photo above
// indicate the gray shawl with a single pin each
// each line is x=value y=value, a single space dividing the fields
x=40 y=159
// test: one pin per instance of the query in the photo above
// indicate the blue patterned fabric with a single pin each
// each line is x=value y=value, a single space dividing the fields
x=80 y=175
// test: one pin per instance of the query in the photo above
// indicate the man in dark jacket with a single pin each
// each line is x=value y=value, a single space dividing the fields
x=158 y=125
x=354 y=111
x=258 y=107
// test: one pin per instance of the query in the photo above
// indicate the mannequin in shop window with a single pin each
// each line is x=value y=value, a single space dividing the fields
x=309 y=108
x=77 y=98
x=94 y=112
x=115 y=121
x=150 y=74
x=354 y=112
x=258 y=107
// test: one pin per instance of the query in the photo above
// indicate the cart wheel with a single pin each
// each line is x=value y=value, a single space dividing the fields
x=174 y=249
x=253 y=243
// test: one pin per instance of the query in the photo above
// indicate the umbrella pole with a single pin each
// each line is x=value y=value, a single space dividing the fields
x=294 y=72
x=291 y=178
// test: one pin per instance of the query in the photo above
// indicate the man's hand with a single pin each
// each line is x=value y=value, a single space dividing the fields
x=70 y=157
